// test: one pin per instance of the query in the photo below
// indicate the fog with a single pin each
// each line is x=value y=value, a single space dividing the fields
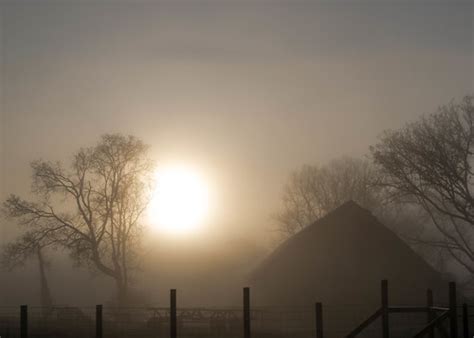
x=245 y=92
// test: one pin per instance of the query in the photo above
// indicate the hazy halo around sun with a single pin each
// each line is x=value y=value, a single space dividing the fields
x=180 y=201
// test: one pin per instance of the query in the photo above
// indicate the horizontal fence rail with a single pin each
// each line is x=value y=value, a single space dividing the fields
x=321 y=321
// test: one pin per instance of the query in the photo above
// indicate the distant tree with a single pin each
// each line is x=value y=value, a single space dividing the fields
x=313 y=191
x=16 y=254
x=428 y=163
x=93 y=209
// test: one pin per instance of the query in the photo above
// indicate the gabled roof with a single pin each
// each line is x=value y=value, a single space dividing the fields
x=340 y=259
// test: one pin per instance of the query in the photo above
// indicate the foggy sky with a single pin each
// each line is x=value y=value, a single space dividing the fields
x=245 y=91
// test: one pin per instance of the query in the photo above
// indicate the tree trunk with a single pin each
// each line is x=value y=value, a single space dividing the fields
x=45 y=294
x=122 y=293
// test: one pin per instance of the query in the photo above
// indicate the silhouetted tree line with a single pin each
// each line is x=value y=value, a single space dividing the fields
x=312 y=191
x=92 y=209
x=424 y=168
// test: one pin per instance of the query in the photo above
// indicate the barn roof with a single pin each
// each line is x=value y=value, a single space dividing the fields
x=340 y=259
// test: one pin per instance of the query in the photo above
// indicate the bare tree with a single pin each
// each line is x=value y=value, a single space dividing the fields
x=313 y=191
x=16 y=254
x=428 y=163
x=93 y=209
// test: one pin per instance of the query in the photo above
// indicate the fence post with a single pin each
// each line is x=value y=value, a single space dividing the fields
x=465 y=321
x=98 y=321
x=453 y=315
x=173 y=315
x=385 y=310
x=24 y=321
x=430 y=316
x=246 y=312
x=319 y=320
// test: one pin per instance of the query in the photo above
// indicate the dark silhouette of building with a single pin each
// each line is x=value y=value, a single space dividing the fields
x=340 y=260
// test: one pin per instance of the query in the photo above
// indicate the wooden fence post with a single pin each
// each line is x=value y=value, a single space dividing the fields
x=173 y=315
x=385 y=310
x=453 y=313
x=24 y=321
x=465 y=321
x=319 y=320
x=430 y=315
x=246 y=312
x=98 y=321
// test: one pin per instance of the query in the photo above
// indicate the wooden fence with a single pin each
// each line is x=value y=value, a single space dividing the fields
x=434 y=319
x=435 y=316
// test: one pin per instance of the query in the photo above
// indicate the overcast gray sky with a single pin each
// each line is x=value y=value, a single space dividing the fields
x=245 y=91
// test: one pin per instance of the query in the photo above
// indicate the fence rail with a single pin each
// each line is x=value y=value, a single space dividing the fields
x=321 y=321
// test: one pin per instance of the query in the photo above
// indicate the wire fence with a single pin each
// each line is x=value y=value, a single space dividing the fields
x=257 y=322
x=75 y=322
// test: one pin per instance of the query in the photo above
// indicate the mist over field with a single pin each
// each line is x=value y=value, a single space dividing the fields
x=200 y=146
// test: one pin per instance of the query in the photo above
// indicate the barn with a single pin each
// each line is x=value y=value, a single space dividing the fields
x=340 y=261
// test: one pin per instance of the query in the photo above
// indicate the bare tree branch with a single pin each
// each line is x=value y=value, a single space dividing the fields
x=104 y=194
x=313 y=191
x=429 y=163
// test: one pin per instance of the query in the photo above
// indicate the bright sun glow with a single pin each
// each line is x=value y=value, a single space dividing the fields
x=180 y=201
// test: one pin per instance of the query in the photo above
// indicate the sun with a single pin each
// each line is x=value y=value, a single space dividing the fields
x=180 y=202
